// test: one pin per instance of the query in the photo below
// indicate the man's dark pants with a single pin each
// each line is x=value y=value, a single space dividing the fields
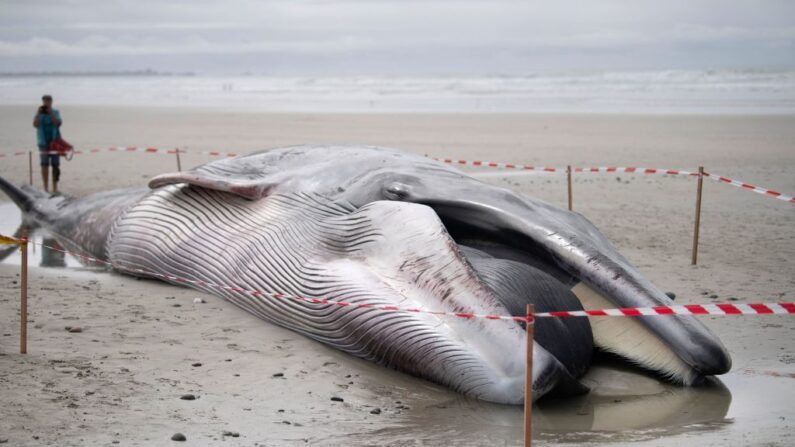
x=46 y=159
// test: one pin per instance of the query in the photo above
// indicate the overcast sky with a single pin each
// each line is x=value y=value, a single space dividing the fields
x=395 y=37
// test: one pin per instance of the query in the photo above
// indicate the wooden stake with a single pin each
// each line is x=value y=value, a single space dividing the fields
x=698 y=214
x=23 y=295
x=179 y=164
x=568 y=175
x=528 y=381
x=30 y=167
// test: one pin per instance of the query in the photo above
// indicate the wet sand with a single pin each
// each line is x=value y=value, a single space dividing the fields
x=122 y=377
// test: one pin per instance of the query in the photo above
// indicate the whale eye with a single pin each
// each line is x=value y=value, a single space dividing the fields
x=396 y=191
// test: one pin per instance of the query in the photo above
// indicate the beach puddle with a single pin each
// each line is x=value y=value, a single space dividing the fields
x=43 y=252
x=625 y=405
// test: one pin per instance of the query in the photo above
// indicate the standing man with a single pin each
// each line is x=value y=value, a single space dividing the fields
x=47 y=123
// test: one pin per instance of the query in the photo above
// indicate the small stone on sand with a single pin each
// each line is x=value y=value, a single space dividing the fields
x=179 y=437
x=278 y=375
x=197 y=364
x=75 y=329
x=337 y=399
x=188 y=397
x=375 y=411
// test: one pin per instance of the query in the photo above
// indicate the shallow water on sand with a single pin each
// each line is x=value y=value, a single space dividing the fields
x=43 y=251
x=626 y=405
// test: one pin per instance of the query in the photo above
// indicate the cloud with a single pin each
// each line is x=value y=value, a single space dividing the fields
x=492 y=34
x=138 y=26
x=196 y=43
x=701 y=33
x=99 y=45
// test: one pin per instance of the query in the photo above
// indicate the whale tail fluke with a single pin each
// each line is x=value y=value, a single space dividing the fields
x=7 y=250
x=24 y=197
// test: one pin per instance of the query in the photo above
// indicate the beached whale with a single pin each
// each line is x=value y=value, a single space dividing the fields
x=384 y=227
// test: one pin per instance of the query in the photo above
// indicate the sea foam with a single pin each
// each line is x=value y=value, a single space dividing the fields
x=671 y=91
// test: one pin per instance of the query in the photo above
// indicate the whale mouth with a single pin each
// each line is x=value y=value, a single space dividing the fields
x=569 y=248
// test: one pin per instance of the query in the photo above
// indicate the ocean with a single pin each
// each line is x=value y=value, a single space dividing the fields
x=665 y=92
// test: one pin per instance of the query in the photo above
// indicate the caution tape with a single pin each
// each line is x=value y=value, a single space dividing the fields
x=636 y=170
x=524 y=167
x=148 y=150
x=628 y=170
x=769 y=373
x=476 y=163
x=747 y=186
x=6 y=240
x=12 y=154
x=494 y=164
x=785 y=308
x=684 y=309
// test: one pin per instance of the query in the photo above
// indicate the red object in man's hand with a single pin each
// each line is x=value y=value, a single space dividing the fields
x=62 y=147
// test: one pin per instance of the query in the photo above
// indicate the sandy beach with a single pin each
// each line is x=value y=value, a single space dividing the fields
x=144 y=345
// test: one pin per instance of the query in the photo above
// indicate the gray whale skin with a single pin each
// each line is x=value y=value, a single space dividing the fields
x=381 y=226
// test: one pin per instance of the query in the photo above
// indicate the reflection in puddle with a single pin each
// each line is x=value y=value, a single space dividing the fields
x=52 y=254
x=38 y=255
x=624 y=399
x=624 y=405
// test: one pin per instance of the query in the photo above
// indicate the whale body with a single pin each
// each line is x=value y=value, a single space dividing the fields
x=381 y=227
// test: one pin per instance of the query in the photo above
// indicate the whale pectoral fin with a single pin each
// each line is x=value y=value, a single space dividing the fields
x=569 y=340
x=251 y=189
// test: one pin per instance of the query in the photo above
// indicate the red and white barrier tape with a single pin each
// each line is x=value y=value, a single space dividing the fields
x=477 y=163
x=493 y=164
x=153 y=150
x=627 y=170
x=769 y=373
x=750 y=187
x=523 y=167
x=12 y=154
x=149 y=150
x=635 y=170
x=686 y=309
